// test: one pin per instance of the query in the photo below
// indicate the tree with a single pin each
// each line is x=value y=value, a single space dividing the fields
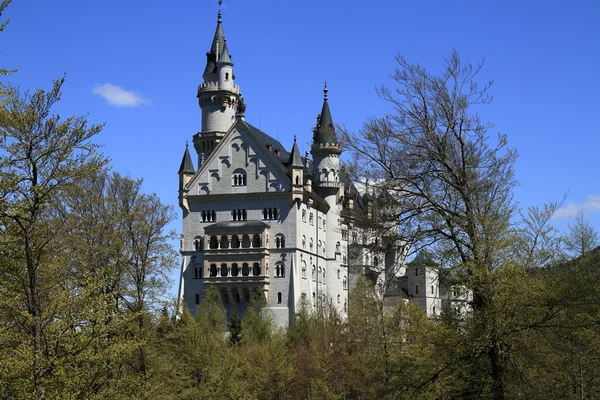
x=452 y=184
x=42 y=159
x=582 y=237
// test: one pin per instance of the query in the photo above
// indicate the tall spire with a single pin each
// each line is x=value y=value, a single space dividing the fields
x=325 y=130
x=295 y=159
x=216 y=48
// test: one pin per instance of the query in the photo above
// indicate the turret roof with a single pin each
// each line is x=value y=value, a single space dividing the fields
x=217 y=46
x=325 y=130
x=187 y=167
x=295 y=159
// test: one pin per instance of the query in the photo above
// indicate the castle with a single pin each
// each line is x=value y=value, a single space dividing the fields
x=258 y=219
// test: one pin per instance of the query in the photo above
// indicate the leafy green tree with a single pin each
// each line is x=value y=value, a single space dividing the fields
x=42 y=159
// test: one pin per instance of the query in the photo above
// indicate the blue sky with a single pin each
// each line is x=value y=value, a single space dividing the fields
x=148 y=58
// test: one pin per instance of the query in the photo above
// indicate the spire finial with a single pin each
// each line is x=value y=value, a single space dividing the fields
x=186 y=144
x=220 y=2
x=294 y=138
x=325 y=90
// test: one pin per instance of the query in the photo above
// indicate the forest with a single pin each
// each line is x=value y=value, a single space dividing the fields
x=85 y=257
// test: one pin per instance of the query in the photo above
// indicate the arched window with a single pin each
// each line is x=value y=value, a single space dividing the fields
x=245 y=241
x=304 y=242
x=239 y=178
x=235 y=271
x=280 y=241
x=282 y=270
x=311 y=219
x=277 y=270
x=338 y=298
x=196 y=272
x=337 y=247
x=256 y=241
x=303 y=215
x=224 y=271
x=345 y=283
x=224 y=242
x=279 y=297
x=214 y=244
x=245 y=269
x=256 y=269
x=213 y=270
x=197 y=299
x=235 y=242
x=375 y=261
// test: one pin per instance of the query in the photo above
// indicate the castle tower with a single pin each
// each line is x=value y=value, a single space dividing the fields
x=296 y=171
x=326 y=152
x=218 y=96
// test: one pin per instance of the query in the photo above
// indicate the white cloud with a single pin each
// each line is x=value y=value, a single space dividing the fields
x=592 y=204
x=119 y=97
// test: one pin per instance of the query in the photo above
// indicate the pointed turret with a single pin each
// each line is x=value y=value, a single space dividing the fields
x=186 y=171
x=216 y=47
x=326 y=151
x=187 y=167
x=295 y=159
x=218 y=96
x=325 y=130
x=296 y=170
x=225 y=57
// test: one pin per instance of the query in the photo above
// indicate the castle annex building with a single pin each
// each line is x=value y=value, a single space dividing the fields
x=258 y=219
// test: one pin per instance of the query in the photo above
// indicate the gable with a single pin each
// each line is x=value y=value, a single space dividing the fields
x=240 y=164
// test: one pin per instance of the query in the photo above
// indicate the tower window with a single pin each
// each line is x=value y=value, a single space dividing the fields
x=226 y=76
x=279 y=297
x=311 y=219
x=303 y=215
x=416 y=289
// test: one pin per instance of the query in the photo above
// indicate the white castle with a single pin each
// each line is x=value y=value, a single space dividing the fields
x=258 y=219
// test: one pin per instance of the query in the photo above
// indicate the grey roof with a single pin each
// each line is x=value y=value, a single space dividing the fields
x=325 y=130
x=266 y=139
x=295 y=160
x=423 y=258
x=218 y=42
x=225 y=57
x=187 y=167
